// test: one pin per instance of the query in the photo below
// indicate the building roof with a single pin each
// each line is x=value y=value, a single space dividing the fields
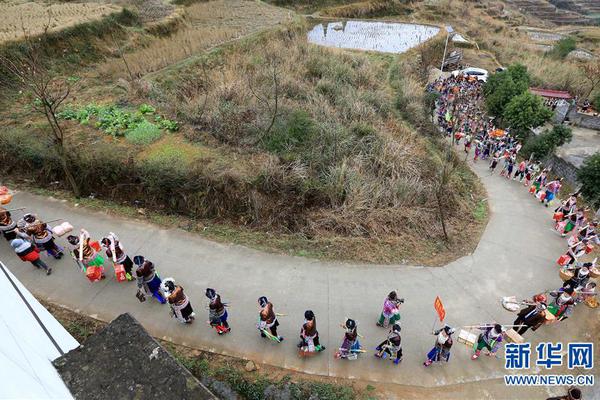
x=30 y=338
x=124 y=362
x=554 y=94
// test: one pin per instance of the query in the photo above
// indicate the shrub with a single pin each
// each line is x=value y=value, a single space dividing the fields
x=144 y=133
x=561 y=134
x=540 y=146
x=563 y=47
x=524 y=112
x=596 y=101
x=589 y=177
x=501 y=87
x=290 y=134
x=543 y=145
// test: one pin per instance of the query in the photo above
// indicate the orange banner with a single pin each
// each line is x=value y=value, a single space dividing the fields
x=439 y=307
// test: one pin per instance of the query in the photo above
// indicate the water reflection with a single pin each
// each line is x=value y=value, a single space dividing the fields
x=385 y=37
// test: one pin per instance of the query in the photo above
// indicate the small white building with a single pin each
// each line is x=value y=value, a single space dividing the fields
x=30 y=339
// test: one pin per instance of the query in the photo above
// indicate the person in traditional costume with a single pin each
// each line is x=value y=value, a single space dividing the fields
x=181 y=307
x=217 y=313
x=350 y=344
x=540 y=181
x=588 y=232
x=392 y=345
x=533 y=316
x=40 y=234
x=391 y=310
x=86 y=251
x=267 y=319
x=115 y=251
x=8 y=227
x=489 y=339
x=309 y=336
x=28 y=252
x=552 y=189
x=148 y=281
x=580 y=278
x=567 y=207
x=442 y=346
x=563 y=304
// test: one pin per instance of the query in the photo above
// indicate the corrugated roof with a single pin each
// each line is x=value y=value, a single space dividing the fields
x=555 y=94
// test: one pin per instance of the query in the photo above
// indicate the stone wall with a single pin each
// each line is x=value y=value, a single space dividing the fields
x=585 y=121
x=562 y=168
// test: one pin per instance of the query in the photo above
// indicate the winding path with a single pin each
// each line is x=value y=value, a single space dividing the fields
x=516 y=256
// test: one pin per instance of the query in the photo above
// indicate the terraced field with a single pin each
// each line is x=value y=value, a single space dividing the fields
x=20 y=17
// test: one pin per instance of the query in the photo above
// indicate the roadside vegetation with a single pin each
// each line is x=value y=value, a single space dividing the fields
x=316 y=151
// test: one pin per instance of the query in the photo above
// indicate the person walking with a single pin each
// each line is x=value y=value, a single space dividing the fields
x=392 y=345
x=267 y=319
x=181 y=307
x=442 y=346
x=391 y=310
x=489 y=339
x=8 y=227
x=217 y=314
x=533 y=316
x=28 y=252
x=114 y=251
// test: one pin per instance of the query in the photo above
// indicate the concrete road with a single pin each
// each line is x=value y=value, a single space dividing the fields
x=516 y=256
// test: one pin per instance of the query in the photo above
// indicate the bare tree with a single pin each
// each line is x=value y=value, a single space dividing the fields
x=122 y=56
x=27 y=70
x=441 y=189
x=591 y=72
x=270 y=101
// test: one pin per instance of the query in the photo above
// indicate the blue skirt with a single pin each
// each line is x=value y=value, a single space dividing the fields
x=154 y=284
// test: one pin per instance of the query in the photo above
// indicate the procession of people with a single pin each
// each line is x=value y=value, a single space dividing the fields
x=461 y=117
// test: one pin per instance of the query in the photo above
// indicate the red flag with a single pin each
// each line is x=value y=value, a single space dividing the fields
x=439 y=307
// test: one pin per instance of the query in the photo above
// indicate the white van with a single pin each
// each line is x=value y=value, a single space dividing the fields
x=479 y=73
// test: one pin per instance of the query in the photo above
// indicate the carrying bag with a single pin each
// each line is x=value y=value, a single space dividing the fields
x=140 y=296
x=93 y=273
x=558 y=216
x=120 y=273
x=563 y=260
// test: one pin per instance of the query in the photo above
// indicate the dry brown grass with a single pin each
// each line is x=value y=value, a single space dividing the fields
x=376 y=184
x=32 y=17
x=206 y=25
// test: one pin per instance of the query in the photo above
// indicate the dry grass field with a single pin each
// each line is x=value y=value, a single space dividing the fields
x=32 y=17
x=206 y=25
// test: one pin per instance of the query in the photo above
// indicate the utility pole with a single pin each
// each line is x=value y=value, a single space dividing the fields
x=450 y=31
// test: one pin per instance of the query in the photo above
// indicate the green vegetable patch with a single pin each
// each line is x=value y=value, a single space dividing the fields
x=142 y=126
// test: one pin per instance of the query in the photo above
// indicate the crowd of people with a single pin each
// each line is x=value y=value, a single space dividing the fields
x=461 y=117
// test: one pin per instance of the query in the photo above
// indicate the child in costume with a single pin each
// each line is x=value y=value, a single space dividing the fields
x=350 y=345
x=392 y=345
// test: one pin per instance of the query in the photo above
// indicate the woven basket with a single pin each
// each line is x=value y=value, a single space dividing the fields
x=565 y=275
